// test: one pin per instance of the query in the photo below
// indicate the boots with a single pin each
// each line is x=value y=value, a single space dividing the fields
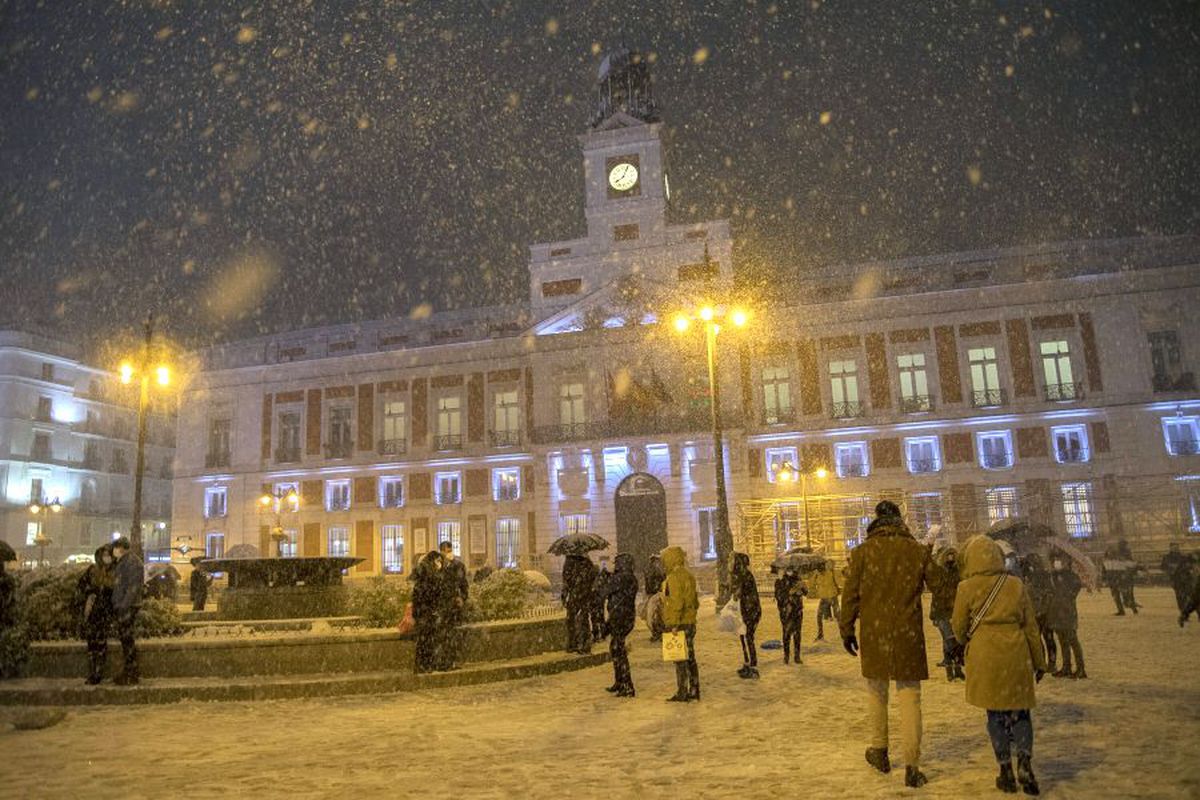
x=1005 y=781
x=958 y=673
x=950 y=676
x=96 y=671
x=877 y=757
x=913 y=777
x=1029 y=783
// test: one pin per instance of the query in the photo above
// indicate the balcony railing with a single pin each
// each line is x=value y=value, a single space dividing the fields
x=852 y=470
x=848 y=409
x=778 y=416
x=393 y=447
x=339 y=449
x=996 y=460
x=695 y=420
x=506 y=438
x=1072 y=455
x=1183 y=382
x=918 y=466
x=1060 y=392
x=287 y=455
x=1184 y=447
x=988 y=398
x=916 y=404
x=216 y=460
x=447 y=441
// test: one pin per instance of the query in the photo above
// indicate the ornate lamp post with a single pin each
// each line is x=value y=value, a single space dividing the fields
x=712 y=318
x=787 y=472
x=41 y=509
x=279 y=502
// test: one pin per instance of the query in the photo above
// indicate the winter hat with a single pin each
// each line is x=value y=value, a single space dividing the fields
x=886 y=508
x=122 y=542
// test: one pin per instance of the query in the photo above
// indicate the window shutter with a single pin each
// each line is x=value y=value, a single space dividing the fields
x=264 y=541
x=947 y=364
x=1091 y=353
x=813 y=456
x=527 y=480
x=364 y=545
x=958 y=448
x=312 y=429
x=808 y=378
x=964 y=511
x=311 y=543
x=267 y=414
x=420 y=411
x=1022 y=358
x=420 y=486
x=311 y=493
x=754 y=462
x=529 y=402
x=366 y=417
x=476 y=412
x=1100 y=442
x=364 y=491
x=747 y=384
x=885 y=453
x=476 y=483
x=1032 y=443
x=529 y=545
x=877 y=372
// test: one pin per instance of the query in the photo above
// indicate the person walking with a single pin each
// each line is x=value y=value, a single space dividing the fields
x=995 y=619
x=129 y=578
x=941 y=608
x=1063 y=618
x=95 y=590
x=426 y=609
x=886 y=576
x=680 y=604
x=198 y=585
x=744 y=589
x=789 y=599
x=1179 y=571
x=579 y=577
x=826 y=590
x=620 y=601
x=456 y=589
x=599 y=626
x=1038 y=583
x=654 y=578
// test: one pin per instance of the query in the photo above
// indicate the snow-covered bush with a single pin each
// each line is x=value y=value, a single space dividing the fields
x=378 y=601
x=158 y=617
x=14 y=650
x=47 y=601
x=505 y=594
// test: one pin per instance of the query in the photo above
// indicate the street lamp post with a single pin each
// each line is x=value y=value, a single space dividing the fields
x=712 y=317
x=162 y=375
x=42 y=508
x=276 y=502
x=787 y=472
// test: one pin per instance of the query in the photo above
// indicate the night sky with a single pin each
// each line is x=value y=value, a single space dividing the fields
x=247 y=168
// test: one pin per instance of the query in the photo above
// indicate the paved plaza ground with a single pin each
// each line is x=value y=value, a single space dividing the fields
x=1131 y=731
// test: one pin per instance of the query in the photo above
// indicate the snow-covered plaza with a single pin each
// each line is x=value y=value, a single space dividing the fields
x=1129 y=731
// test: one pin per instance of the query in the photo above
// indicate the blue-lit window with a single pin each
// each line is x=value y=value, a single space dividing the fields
x=1182 y=435
x=1078 y=510
x=922 y=454
x=995 y=449
x=850 y=460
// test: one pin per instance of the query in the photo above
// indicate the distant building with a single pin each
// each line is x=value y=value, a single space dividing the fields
x=1055 y=382
x=68 y=435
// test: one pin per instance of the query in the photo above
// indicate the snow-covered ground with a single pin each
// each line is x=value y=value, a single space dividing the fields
x=1131 y=731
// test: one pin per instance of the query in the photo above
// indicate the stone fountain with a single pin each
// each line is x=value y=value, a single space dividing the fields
x=281 y=588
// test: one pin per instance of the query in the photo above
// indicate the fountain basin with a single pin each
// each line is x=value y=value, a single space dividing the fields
x=281 y=588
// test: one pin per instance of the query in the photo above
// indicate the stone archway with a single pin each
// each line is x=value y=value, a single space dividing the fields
x=641 y=511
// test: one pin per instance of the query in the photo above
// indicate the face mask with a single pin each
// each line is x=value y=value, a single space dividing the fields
x=1058 y=565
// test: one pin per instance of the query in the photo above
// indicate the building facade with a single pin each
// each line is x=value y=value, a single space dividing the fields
x=1054 y=382
x=68 y=434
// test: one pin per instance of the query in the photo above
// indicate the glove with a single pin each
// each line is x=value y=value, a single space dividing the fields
x=957 y=654
x=851 y=644
x=1038 y=674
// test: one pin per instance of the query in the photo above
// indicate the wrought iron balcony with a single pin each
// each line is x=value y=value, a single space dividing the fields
x=988 y=398
x=216 y=460
x=393 y=447
x=510 y=438
x=690 y=421
x=287 y=455
x=778 y=416
x=996 y=460
x=918 y=466
x=1061 y=392
x=1184 y=447
x=849 y=409
x=915 y=404
x=343 y=449
x=448 y=441
x=852 y=470
x=1073 y=455
x=1183 y=382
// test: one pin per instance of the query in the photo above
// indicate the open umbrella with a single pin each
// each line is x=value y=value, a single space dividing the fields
x=6 y=552
x=577 y=544
x=799 y=559
x=1084 y=567
x=1024 y=535
x=154 y=570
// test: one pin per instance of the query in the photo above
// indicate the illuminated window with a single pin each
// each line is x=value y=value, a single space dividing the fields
x=1001 y=503
x=922 y=454
x=506 y=484
x=777 y=395
x=776 y=457
x=215 y=502
x=570 y=404
x=393 y=548
x=706 y=522
x=450 y=530
x=391 y=492
x=337 y=495
x=214 y=544
x=339 y=540
x=1070 y=444
x=1182 y=435
x=788 y=530
x=995 y=449
x=448 y=488
x=1077 y=510
x=914 y=384
x=573 y=523
x=508 y=541
x=850 y=459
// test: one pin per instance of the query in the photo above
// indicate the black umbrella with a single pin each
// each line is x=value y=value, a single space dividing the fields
x=577 y=544
x=6 y=552
x=801 y=559
x=1024 y=535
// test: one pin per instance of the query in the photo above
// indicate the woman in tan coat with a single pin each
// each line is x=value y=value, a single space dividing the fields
x=1004 y=656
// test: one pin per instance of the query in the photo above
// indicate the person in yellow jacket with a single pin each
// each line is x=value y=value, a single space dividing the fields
x=824 y=587
x=679 y=607
x=1004 y=656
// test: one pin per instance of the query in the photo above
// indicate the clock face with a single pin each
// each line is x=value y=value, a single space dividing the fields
x=622 y=177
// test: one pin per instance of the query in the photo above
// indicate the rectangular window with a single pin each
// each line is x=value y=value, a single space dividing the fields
x=1056 y=369
x=393 y=548
x=925 y=511
x=47 y=371
x=1070 y=444
x=339 y=540
x=31 y=532
x=788 y=530
x=914 y=383
x=508 y=542
x=506 y=422
x=391 y=492
x=449 y=423
x=1077 y=510
x=288 y=449
x=570 y=406
x=395 y=428
x=218 y=443
x=706 y=522
x=1166 y=360
x=215 y=502
x=37 y=490
x=777 y=457
x=214 y=545
x=573 y=523
x=45 y=409
x=120 y=463
x=448 y=488
x=995 y=449
x=922 y=454
x=1182 y=435
x=843 y=383
x=850 y=459
x=506 y=484
x=287 y=545
x=985 y=377
x=625 y=233
x=337 y=495
x=341 y=443
x=1192 y=508
x=561 y=288
x=450 y=530
x=1001 y=503
x=777 y=395
x=41 y=446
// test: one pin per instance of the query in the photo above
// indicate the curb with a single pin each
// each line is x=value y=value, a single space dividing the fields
x=150 y=692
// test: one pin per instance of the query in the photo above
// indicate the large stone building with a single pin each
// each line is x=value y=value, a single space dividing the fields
x=67 y=452
x=1055 y=382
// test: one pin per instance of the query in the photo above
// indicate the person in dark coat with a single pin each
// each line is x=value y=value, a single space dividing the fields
x=620 y=601
x=1193 y=604
x=1038 y=582
x=198 y=585
x=482 y=574
x=789 y=599
x=95 y=591
x=426 y=609
x=941 y=606
x=456 y=589
x=8 y=599
x=886 y=576
x=1063 y=618
x=1179 y=571
x=744 y=589
x=579 y=578
x=654 y=577
x=599 y=626
x=1119 y=569
x=129 y=579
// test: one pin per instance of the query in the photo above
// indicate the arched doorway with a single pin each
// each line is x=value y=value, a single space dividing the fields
x=641 y=510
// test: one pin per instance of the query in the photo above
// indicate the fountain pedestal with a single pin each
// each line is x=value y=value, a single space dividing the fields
x=281 y=588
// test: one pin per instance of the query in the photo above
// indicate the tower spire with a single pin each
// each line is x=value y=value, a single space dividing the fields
x=623 y=85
